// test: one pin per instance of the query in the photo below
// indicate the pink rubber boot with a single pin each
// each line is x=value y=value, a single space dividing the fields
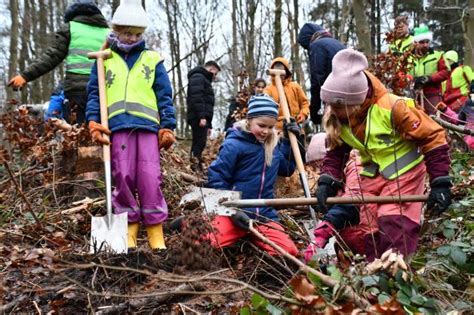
x=322 y=234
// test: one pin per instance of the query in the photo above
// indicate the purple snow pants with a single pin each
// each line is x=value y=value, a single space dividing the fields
x=136 y=172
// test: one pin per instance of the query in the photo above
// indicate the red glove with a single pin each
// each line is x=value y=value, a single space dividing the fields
x=17 y=82
x=166 y=138
x=96 y=131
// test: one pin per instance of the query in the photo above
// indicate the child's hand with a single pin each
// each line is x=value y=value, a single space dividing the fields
x=166 y=138
x=300 y=118
x=96 y=131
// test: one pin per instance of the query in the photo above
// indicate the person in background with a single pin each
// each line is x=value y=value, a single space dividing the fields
x=460 y=83
x=141 y=119
x=296 y=98
x=84 y=31
x=403 y=40
x=398 y=144
x=259 y=86
x=429 y=69
x=321 y=47
x=200 y=108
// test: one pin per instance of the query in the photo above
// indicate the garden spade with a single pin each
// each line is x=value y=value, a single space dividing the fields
x=293 y=140
x=109 y=232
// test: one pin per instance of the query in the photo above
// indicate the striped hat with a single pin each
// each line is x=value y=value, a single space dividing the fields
x=262 y=105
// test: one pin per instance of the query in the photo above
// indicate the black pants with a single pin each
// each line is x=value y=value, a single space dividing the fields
x=315 y=106
x=74 y=110
x=199 y=138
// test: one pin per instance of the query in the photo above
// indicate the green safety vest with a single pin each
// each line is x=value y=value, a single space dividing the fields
x=131 y=90
x=401 y=45
x=384 y=150
x=85 y=38
x=427 y=65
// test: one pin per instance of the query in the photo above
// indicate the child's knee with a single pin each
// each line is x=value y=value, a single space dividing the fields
x=341 y=216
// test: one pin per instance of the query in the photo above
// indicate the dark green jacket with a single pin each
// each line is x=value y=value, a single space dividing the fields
x=74 y=84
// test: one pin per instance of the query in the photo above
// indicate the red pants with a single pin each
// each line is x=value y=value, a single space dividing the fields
x=226 y=234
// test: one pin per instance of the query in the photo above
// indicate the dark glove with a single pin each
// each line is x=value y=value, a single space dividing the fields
x=292 y=127
x=471 y=90
x=327 y=187
x=439 y=198
x=241 y=220
x=421 y=81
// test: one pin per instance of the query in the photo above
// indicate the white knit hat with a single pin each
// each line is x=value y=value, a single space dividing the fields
x=130 y=13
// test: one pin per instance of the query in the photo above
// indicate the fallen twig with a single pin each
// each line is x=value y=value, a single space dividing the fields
x=462 y=129
x=348 y=292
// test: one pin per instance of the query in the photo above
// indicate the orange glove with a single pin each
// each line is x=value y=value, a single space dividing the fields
x=96 y=131
x=166 y=138
x=17 y=82
x=301 y=118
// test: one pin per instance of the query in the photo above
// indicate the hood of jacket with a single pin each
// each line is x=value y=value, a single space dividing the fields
x=83 y=9
x=285 y=63
x=200 y=70
x=306 y=32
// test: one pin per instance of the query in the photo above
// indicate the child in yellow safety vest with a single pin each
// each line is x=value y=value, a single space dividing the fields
x=141 y=120
x=459 y=85
x=398 y=144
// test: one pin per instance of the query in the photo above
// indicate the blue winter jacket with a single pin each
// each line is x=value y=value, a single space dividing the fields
x=56 y=101
x=241 y=166
x=321 y=51
x=163 y=92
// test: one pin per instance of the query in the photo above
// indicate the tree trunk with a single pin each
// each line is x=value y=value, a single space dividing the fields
x=14 y=34
x=25 y=39
x=277 y=52
x=362 y=26
x=234 y=52
x=43 y=40
x=345 y=16
x=35 y=50
x=468 y=28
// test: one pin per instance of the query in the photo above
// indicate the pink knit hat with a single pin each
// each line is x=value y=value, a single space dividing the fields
x=347 y=83
x=317 y=148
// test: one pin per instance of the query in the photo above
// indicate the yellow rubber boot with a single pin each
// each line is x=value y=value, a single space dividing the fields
x=133 y=234
x=156 y=238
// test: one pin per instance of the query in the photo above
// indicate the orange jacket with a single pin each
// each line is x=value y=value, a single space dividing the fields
x=295 y=96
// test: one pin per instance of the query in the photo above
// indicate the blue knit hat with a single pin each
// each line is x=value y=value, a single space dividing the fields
x=262 y=105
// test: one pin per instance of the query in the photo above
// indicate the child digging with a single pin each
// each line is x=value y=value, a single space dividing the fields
x=141 y=119
x=249 y=161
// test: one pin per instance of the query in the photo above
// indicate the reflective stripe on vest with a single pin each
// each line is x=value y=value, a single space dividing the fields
x=131 y=90
x=85 y=38
x=384 y=150
x=401 y=45
x=428 y=64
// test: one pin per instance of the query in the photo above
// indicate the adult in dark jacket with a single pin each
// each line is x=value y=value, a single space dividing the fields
x=84 y=31
x=321 y=47
x=200 y=101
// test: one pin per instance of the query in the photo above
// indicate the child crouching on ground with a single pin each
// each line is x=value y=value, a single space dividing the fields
x=141 y=119
x=249 y=160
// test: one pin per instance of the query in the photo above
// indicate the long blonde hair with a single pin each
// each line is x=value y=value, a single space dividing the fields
x=333 y=127
x=269 y=144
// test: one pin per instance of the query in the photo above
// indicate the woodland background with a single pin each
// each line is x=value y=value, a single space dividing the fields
x=243 y=36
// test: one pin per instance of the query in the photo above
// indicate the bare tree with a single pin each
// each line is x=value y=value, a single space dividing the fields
x=468 y=30
x=14 y=34
x=362 y=26
x=277 y=50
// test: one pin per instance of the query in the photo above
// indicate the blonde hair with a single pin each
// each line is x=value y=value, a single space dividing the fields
x=125 y=28
x=333 y=127
x=269 y=144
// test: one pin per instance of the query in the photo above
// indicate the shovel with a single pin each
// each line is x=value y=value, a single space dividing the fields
x=108 y=232
x=293 y=140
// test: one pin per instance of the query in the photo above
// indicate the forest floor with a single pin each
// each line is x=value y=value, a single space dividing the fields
x=46 y=267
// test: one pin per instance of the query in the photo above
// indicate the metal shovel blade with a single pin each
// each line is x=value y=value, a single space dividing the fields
x=109 y=236
x=210 y=199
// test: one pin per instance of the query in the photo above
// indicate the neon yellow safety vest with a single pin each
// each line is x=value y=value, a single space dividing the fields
x=384 y=150
x=401 y=45
x=428 y=64
x=460 y=79
x=131 y=91
x=85 y=38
